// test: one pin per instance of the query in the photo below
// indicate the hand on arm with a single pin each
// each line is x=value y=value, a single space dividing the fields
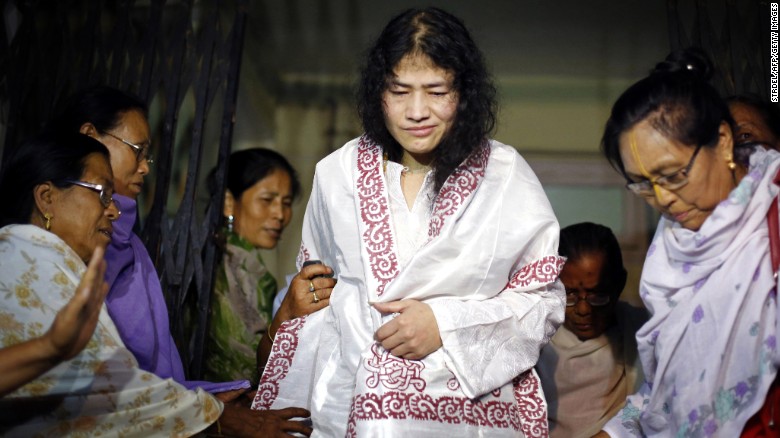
x=68 y=335
x=413 y=334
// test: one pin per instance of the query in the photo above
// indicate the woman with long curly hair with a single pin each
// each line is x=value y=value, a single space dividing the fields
x=445 y=249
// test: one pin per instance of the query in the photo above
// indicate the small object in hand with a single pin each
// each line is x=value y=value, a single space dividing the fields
x=316 y=262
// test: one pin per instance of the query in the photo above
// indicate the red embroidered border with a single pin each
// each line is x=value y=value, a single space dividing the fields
x=422 y=407
x=532 y=407
x=278 y=365
x=542 y=271
x=462 y=183
x=375 y=213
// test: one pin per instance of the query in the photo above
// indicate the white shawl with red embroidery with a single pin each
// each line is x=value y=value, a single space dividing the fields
x=489 y=272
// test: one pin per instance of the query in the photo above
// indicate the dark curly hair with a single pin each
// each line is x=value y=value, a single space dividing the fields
x=444 y=39
x=676 y=98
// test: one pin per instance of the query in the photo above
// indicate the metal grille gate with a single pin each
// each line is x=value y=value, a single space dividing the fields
x=180 y=57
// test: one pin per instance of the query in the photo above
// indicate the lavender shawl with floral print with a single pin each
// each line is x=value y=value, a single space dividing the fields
x=709 y=349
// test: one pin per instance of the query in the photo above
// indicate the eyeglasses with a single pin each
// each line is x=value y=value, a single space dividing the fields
x=106 y=195
x=675 y=181
x=141 y=152
x=595 y=300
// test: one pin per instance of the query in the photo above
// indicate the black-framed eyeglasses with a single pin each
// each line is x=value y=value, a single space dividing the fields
x=106 y=195
x=674 y=181
x=141 y=152
x=595 y=300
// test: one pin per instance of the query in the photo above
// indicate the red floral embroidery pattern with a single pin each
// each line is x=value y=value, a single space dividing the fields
x=279 y=362
x=303 y=255
x=375 y=214
x=423 y=407
x=542 y=271
x=462 y=183
x=393 y=372
x=531 y=406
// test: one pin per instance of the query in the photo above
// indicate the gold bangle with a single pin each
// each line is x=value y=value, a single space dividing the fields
x=269 y=335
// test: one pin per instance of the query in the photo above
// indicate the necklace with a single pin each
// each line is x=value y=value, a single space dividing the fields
x=405 y=170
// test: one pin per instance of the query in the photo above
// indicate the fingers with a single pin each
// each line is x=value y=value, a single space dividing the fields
x=296 y=426
x=392 y=306
x=311 y=271
x=293 y=412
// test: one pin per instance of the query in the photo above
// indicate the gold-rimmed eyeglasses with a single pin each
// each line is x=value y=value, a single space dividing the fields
x=674 y=181
x=141 y=152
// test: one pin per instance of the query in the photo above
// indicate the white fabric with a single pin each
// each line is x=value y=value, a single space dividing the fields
x=489 y=271
x=101 y=391
x=587 y=382
x=709 y=349
x=410 y=226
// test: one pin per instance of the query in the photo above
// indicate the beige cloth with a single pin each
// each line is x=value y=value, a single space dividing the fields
x=586 y=383
x=101 y=391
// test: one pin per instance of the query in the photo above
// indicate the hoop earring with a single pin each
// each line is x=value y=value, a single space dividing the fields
x=230 y=220
x=48 y=218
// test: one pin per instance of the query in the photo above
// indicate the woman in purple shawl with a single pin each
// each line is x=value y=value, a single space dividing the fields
x=135 y=300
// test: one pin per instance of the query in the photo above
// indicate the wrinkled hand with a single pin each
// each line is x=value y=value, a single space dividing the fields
x=299 y=300
x=76 y=321
x=241 y=421
x=413 y=334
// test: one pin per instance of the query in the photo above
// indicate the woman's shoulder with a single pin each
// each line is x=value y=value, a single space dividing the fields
x=343 y=157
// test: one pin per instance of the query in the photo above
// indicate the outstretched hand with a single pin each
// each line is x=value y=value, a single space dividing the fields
x=76 y=321
x=413 y=334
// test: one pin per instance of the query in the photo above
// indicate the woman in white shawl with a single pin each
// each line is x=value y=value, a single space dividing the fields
x=56 y=209
x=445 y=250
x=709 y=349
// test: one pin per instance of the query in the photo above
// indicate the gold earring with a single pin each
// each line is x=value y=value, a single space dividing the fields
x=48 y=217
x=731 y=164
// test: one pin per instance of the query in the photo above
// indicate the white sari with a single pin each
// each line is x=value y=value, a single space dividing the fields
x=709 y=349
x=489 y=271
x=101 y=391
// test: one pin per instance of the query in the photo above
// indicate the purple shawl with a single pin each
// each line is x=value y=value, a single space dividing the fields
x=137 y=307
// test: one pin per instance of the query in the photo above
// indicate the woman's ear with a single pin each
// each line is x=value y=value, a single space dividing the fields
x=89 y=129
x=227 y=207
x=44 y=196
x=726 y=141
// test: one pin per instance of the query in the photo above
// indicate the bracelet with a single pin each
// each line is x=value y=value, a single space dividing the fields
x=219 y=428
x=269 y=335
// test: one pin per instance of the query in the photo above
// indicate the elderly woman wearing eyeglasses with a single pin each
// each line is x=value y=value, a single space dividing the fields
x=56 y=212
x=590 y=366
x=709 y=350
x=135 y=300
